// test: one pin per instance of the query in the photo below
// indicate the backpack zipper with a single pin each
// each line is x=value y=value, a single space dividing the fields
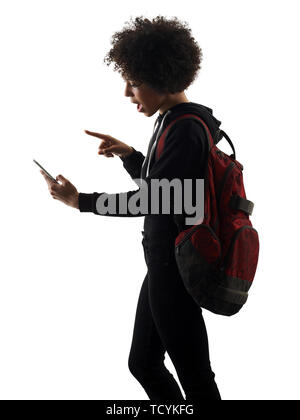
x=191 y=233
x=219 y=195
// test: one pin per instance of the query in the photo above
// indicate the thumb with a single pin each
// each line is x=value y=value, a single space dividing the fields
x=111 y=149
x=61 y=178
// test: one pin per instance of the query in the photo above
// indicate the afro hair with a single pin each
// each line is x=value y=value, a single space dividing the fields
x=161 y=53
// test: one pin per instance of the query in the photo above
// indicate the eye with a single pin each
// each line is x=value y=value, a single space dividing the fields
x=134 y=85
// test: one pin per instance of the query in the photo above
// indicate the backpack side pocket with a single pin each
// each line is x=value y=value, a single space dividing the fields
x=238 y=270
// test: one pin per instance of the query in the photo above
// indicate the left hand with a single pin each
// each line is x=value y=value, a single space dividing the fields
x=65 y=192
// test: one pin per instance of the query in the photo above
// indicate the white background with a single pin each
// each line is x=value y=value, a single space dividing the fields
x=69 y=280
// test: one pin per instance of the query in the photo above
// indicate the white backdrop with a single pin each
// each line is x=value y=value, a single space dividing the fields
x=69 y=280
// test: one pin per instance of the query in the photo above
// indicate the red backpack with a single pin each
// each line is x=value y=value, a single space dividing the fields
x=217 y=257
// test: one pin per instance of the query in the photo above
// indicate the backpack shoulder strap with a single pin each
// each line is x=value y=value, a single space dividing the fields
x=178 y=218
x=161 y=142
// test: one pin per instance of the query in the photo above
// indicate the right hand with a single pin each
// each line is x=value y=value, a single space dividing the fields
x=111 y=146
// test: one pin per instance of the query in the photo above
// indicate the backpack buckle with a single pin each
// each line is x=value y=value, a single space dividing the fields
x=239 y=203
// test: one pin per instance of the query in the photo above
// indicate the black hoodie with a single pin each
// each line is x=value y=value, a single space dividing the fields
x=183 y=157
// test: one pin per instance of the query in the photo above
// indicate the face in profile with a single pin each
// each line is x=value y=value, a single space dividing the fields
x=147 y=100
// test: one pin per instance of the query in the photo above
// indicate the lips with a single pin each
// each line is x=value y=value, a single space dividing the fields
x=139 y=106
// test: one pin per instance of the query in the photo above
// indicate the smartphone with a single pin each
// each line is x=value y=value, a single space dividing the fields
x=50 y=176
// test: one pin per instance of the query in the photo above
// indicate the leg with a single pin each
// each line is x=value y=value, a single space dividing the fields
x=182 y=330
x=146 y=358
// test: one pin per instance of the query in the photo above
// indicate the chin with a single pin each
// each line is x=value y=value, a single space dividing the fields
x=148 y=114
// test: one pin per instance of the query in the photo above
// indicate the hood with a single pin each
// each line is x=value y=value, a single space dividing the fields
x=190 y=107
x=169 y=115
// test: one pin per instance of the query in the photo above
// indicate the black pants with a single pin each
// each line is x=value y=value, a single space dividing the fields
x=168 y=319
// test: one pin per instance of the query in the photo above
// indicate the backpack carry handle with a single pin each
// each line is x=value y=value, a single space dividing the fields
x=219 y=134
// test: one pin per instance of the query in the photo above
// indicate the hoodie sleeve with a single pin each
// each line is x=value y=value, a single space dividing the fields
x=133 y=163
x=183 y=157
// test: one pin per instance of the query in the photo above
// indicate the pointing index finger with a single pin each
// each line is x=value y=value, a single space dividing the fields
x=98 y=135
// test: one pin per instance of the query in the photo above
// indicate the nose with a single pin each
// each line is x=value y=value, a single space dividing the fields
x=128 y=91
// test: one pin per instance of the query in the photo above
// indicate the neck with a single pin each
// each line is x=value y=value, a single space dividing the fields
x=172 y=100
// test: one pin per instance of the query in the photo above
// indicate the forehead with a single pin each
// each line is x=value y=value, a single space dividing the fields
x=128 y=79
